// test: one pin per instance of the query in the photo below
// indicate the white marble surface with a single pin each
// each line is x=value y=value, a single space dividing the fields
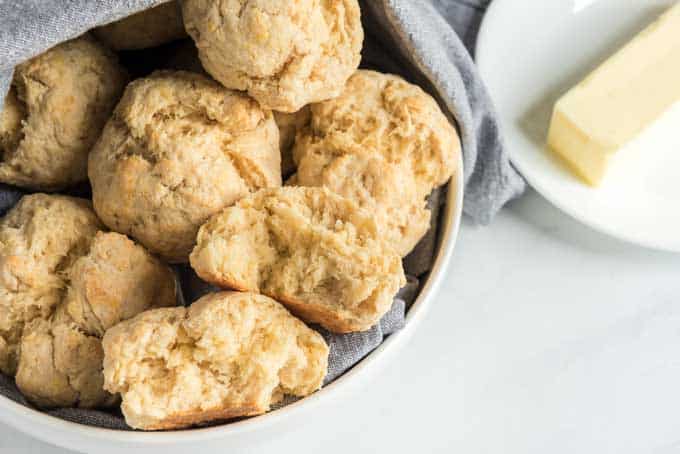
x=547 y=337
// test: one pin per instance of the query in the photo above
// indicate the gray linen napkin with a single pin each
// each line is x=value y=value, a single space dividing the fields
x=416 y=39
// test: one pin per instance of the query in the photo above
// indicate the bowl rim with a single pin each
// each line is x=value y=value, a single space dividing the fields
x=32 y=422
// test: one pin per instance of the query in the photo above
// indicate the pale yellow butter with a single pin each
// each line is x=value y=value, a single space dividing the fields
x=630 y=91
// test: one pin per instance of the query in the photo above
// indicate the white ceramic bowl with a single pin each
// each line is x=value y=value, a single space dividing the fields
x=240 y=434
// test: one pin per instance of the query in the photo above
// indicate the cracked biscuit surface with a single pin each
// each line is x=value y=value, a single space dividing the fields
x=284 y=54
x=179 y=148
x=385 y=144
x=313 y=250
x=116 y=280
x=60 y=359
x=39 y=240
x=54 y=112
x=60 y=365
x=149 y=28
x=229 y=354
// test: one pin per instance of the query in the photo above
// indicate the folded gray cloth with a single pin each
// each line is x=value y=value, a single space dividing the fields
x=417 y=39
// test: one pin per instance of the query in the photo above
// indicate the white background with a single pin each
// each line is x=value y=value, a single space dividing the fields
x=547 y=337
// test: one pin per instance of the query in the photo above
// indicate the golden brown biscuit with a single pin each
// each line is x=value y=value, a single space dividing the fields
x=60 y=365
x=284 y=54
x=388 y=190
x=116 y=280
x=149 y=28
x=385 y=144
x=55 y=110
x=229 y=354
x=60 y=359
x=289 y=124
x=316 y=252
x=39 y=240
x=178 y=149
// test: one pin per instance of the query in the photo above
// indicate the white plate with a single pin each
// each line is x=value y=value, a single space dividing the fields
x=529 y=53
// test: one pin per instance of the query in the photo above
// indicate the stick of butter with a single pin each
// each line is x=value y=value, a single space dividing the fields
x=594 y=121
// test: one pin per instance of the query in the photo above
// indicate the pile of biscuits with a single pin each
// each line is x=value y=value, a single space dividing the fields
x=189 y=166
